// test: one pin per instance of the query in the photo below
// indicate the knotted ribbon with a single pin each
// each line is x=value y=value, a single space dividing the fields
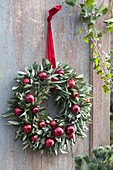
x=50 y=53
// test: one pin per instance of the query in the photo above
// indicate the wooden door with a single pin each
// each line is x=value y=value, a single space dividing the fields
x=23 y=26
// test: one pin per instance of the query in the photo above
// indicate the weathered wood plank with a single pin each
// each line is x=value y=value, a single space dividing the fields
x=23 y=26
x=100 y=128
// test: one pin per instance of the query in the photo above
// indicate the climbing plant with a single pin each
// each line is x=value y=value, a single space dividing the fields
x=90 y=14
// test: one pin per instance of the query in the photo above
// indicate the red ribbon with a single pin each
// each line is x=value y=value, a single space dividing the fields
x=50 y=54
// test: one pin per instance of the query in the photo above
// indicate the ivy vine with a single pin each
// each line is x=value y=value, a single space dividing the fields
x=90 y=14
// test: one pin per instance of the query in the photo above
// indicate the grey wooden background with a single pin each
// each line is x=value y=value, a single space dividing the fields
x=23 y=27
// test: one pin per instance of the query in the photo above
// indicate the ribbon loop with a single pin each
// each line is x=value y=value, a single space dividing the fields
x=50 y=54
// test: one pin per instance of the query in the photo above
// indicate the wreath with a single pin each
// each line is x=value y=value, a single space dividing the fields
x=35 y=127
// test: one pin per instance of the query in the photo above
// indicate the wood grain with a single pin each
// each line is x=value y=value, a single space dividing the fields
x=100 y=128
x=23 y=26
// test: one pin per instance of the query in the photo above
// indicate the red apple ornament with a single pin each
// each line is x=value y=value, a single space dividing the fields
x=60 y=72
x=53 y=79
x=49 y=142
x=42 y=75
x=34 y=138
x=35 y=110
x=75 y=108
x=27 y=128
x=26 y=81
x=87 y=100
x=58 y=132
x=29 y=98
x=53 y=123
x=42 y=124
x=71 y=83
x=17 y=111
x=71 y=136
x=70 y=129
x=75 y=95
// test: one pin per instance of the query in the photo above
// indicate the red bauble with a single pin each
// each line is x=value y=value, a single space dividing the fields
x=75 y=108
x=53 y=123
x=42 y=124
x=49 y=142
x=27 y=128
x=70 y=129
x=75 y=95
x=35 y=110
x=53 y=79
x=60 y=72
x=71 y=136
x=58 y=132
x=71 y=83
x=26 y=81
x=42 y=75
x=17 y=111
x=87 y=100
x=29 y=98
x=34 y=138
x=52 y=89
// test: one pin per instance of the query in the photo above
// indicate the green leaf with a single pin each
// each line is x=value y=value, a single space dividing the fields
x=68 y=145
x=86 y=40
x=108 y=20
x=14 y=88
x=39 y=132
x=106 y=88
x=103 y=9
x=24 y=137
x=80 y=76
x=21 y=73
x=7 y=114
x=57 y=82
x=58 y=97
x=71 y=2
x=63 y=151
x=90 y=2
x=27 y=86
x=79 y=31
x=25 y=146
x=12 y=122
x=35 y=66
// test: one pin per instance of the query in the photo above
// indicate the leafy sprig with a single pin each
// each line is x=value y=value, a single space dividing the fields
x=90 y=15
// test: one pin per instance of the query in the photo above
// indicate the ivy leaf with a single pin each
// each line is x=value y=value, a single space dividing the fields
x=86 y=40
x=105 y=88
x=103 y=9
x=90 y=2
x=71 y=2
x=79 y=31
x=108 y=20
x=109 y=28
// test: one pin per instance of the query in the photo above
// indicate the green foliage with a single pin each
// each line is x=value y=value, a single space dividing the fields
x=111 y=112
x=102 y=160
x=41 y=90
x=79 y=163
x=71 y=2
x=90 y=14
x=109 y=24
